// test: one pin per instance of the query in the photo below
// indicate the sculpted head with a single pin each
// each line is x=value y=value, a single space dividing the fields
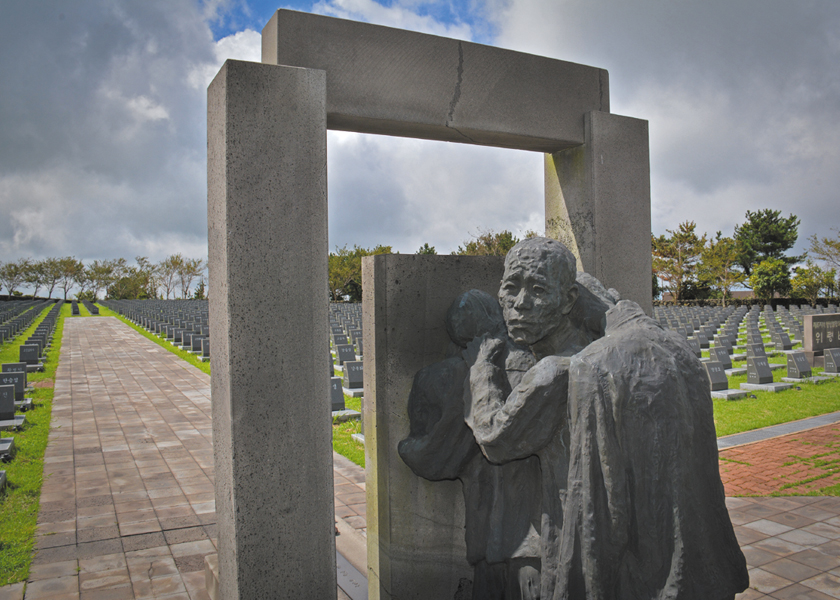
x=538 y=289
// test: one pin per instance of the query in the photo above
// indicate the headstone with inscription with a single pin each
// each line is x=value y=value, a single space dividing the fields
x=345 y=353
x=720 y=355
x=756 y=350
x=31 y=355
x=832 y=361
x=694 y=344
x=758 y=370
x=717 y=376
x=353 y=375
x=336 y=394
x=798 y=366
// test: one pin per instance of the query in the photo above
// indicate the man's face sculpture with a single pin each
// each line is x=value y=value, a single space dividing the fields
x=533 y=296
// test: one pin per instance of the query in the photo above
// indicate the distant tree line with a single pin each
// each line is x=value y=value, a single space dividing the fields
x=345 y=264
x=697 y=267
x=173 y=277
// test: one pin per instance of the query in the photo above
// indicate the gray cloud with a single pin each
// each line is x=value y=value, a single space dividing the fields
x=102 y=149
x=743 y=98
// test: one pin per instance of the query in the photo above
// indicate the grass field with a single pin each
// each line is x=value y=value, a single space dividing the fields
x=19 y=505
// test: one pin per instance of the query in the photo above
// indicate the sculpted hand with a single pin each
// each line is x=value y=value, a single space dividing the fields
x=486 y=349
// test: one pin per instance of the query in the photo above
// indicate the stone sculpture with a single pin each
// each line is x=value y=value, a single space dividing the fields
x=589 y=460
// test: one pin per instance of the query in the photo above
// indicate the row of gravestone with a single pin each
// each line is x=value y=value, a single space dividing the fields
x=760 y=374
x=759 y=369
x=16 y=316
x=14 y=385
x=346 y=352
x=184 y=323
x=91 y=307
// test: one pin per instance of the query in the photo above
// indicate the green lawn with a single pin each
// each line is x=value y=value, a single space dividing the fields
x=20 y=500
x=769 y=408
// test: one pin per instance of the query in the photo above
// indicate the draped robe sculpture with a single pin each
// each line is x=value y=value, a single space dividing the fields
x=583 y=435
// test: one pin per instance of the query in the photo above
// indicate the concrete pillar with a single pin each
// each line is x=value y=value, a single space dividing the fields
x=267 y=220
x=415 y=527
x=597 y=202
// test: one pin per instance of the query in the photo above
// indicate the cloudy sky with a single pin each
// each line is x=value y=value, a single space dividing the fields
x=103 y=119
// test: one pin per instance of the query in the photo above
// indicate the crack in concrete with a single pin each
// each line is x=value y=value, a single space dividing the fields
x=457 y=95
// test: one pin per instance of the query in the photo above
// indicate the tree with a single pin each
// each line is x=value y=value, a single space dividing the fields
x=766 y=234
x=147 y=274
x=69 y=268
x=488 y=243
x=675 y=258
x=345 y=271
x=102 y=274
x=168 y=270
x=718 y=267
x=35 y=276
x=770 y=277
x=190 y=269
x=656 y=291
x=82 y=280
x=13 y=274
x=426 y=249
x=826 y=250
x=808 y=282
x=134 y=282
x=200 y=290
x=52 y=274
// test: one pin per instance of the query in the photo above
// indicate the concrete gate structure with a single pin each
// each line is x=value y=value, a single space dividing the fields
x=267 y=221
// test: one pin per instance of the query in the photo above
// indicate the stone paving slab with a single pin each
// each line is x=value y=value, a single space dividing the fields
x=127 y=506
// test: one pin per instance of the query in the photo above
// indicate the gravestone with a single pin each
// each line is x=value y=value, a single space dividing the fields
x=798 y=366
x=30 y=354
x=717 y=376
x=7 y=402
x=16 y=379
x=723 y=341
x=694 y=344
x=353 y=375
x=756 y=350
x=758 y=370
x=17 y=367
x=336 y=394
x=832 y=360
x=720 y=355
x=345 y=353
x=782 y=341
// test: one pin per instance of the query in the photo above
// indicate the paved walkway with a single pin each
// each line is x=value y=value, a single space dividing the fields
x=127 y=506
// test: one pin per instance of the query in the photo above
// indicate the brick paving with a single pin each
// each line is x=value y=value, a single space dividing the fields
x=127 y=504
x=797 y=463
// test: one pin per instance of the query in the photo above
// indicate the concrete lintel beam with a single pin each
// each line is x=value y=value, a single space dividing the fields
x=389 y=81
